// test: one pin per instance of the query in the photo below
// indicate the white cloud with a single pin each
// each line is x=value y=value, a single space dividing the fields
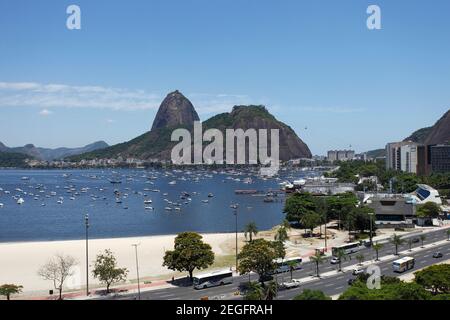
x=32 y=94
x=45 y=112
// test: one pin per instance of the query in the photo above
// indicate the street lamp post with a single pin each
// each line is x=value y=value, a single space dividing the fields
x=326 y=250
x=137 y=269
x=371 y=235
x=86 y=221
x=235 y=207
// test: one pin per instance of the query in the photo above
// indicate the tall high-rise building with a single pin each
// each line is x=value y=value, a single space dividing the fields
x=402 y=156
x=440 y=158
x=340 y=155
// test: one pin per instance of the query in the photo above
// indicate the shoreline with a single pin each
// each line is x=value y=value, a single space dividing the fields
x=22 y=260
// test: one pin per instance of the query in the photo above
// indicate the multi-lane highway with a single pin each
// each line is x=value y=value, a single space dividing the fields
x=331 y=284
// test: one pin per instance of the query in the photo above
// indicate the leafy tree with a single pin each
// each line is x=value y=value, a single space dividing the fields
x=317 y=259
x=428 y=210
x=257 y=256
x=310 y=220
x=107 y=271
x=251 y=230
x=377 y=247
x=395 y=290
x=397 y=240
x=340 y=205
x=8 y=290
x=435 y=278
x=189 y=253
x=308 y=294
x=57 y=270
x=297 y=205
x=271 y=290
x=292 y=265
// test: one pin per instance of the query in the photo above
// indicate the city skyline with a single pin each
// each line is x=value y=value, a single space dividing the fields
x=317 y=68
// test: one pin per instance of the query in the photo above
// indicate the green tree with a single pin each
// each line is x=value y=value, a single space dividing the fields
x=377 y=247
x=271 y=291
x=8 y=290
x=310 y=220
x=341 y=255
x=292 y=265
x=250 y=230
x=317 y=259
x=360 y=257
x=308 y=294
x=428 y=210
x=190 y=253
x=281 y=234
x=257 y=292
x=422 y=238
x=107 y=271
x=435 y=278
x=397 y=240
x=57 y=270
x=340 y=205
x=448 y=234
x=297 y=205
x=392 y=290
x=258 y=256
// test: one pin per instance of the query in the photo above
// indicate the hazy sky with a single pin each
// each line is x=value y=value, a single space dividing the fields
x=314 y=64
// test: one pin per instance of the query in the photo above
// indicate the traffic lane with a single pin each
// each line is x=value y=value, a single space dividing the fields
x=337 y=284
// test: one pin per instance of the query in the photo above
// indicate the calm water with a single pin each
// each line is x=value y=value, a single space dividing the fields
x=41 y=217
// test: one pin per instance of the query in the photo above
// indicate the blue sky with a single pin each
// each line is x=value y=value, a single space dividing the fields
x=314 y=64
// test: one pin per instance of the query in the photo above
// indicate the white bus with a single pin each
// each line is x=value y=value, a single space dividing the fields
x=348 y=248
x=403 y=264
x=283 y=265
x=213 y=279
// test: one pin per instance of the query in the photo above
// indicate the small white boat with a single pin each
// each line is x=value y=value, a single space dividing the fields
x=172 y=182
x=168 y=208
x=205 y=201
x=59 y=201
x=1 y=205
x=148 y=208
x=147 y=201
x=20 y=201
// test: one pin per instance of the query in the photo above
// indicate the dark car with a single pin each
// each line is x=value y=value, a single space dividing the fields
x=438 y=255
x=415 y=240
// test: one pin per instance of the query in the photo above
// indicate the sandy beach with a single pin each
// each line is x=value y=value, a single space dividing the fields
x=21 y=261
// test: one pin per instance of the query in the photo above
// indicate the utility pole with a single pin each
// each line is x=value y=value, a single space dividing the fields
x=137 y=269
x=86 y=222
x=235 y=207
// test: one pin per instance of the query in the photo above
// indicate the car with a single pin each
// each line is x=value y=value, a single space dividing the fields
x=438 y=255
x=358 y=271
x=351 y=281
x=291 y=284
x=335 y=260
x=265 y=278
x=415 y=240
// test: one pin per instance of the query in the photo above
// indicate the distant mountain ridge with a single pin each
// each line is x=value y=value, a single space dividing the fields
x=176 y=111
x=437 y=134
x=48 y=154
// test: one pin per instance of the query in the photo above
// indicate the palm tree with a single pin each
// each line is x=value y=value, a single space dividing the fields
x=281 y=234
x=422 y=238
x=255 y=291
x=448 y=234
x=377 y=247
x=271 y=290
x=291 y=265
x=317 y=259
x=251 y=230
x=410 y=243
x=341 y=255
x=397 y=241
x=360 y=257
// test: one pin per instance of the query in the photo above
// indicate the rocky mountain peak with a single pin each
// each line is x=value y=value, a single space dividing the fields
x=175 y=110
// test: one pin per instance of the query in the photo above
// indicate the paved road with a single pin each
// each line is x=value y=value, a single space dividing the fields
x=331 y=286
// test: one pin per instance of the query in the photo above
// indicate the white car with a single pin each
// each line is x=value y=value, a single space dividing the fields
x=335 y=260
x=358 y=271
x=291 y=284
